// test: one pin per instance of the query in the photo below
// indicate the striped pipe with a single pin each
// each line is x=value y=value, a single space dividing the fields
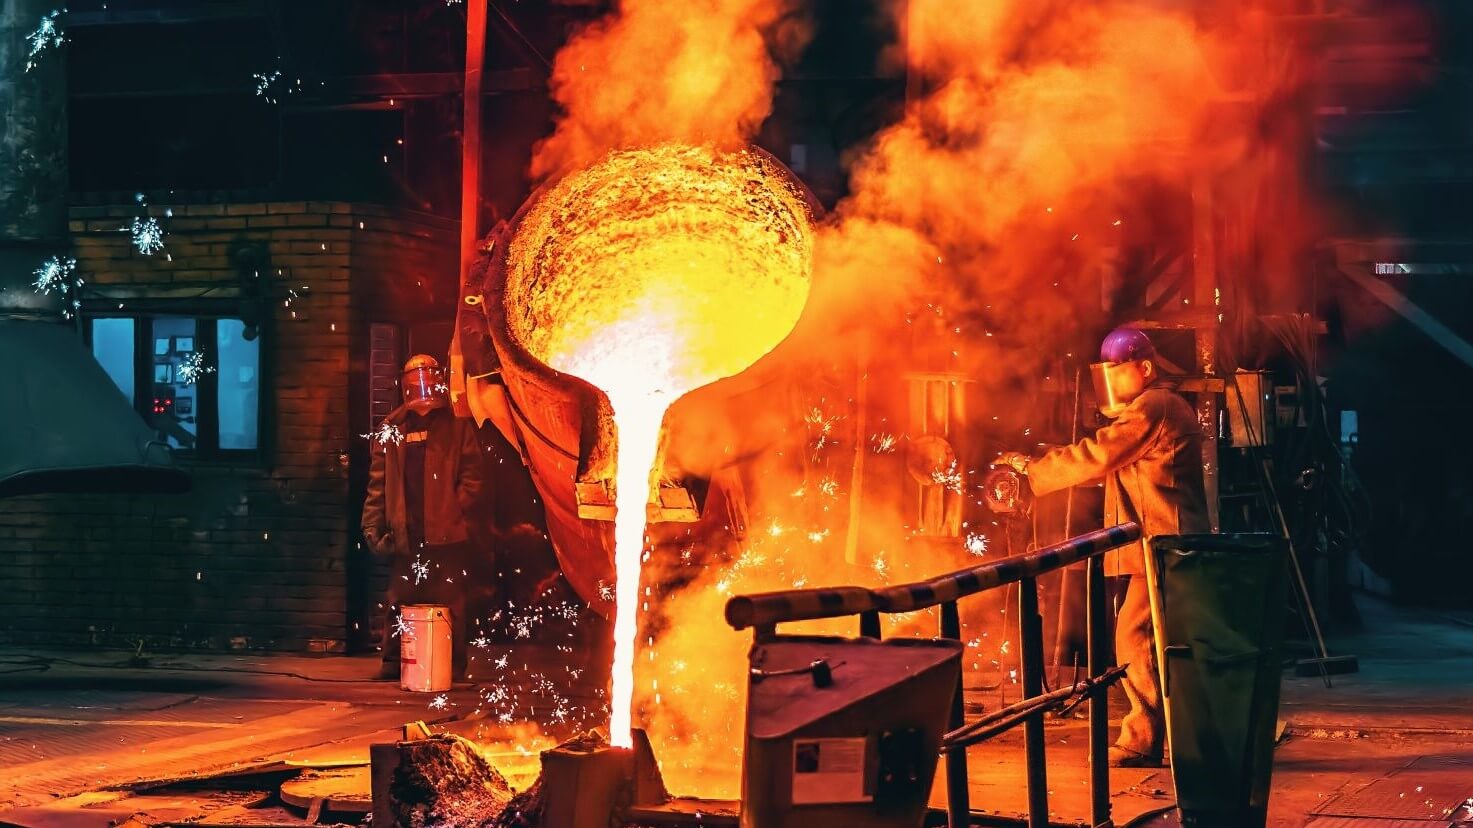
x=768 y=608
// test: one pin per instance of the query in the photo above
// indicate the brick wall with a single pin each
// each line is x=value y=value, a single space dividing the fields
x=261 y=554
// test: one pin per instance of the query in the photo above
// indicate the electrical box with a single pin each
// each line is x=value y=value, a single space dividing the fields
x=1251 y=408
x=845 y=731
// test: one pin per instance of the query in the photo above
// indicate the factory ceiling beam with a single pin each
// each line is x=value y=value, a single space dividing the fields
x=1409 y=310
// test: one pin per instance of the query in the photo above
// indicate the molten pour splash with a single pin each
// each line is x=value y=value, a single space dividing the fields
x=648 y=274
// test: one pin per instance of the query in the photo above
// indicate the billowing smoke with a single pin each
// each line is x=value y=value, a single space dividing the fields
x=973 y=243
x=655 y=72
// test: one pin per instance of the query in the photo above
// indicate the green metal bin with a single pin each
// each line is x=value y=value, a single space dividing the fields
x=1220 y=602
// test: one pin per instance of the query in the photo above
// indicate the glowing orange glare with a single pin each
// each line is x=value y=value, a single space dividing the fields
x=650 y=273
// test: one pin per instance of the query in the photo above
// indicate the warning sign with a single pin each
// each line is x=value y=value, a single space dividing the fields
x=828 y=771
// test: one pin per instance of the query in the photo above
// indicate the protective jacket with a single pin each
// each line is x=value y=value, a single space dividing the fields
x=1150 y=458
x=451 y=489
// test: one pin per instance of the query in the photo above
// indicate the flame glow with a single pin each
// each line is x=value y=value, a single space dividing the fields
x=648 y=274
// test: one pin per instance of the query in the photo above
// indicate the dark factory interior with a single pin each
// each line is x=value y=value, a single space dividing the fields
x=855 y=413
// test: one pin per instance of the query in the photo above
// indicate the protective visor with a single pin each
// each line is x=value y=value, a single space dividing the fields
x=425 y=386
x=1109 y=379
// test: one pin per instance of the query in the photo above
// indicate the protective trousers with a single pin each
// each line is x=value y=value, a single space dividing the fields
x=1144 y=728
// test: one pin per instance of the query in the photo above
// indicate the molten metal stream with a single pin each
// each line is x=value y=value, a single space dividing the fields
x=639 y=396
x=648 y=274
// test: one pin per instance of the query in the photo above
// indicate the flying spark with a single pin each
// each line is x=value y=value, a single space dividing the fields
x=48 y=35
x=976 y=543
x=193 y=367
x=387 y=433
x=55 y=274
x=147 y=233
x=950 y=477
x=60 y=275
x=403 y=628
x=440 y=702
x=421 y=570
x=882 y=443
x=264 y=82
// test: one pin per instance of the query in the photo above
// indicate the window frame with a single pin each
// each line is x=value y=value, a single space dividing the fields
x=207 y=316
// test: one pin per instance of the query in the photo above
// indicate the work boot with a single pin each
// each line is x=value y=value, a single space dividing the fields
x=1124 y=757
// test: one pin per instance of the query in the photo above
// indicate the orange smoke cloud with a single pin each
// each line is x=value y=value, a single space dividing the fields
x=989 y=207
x=993 y=205
x=657 y=72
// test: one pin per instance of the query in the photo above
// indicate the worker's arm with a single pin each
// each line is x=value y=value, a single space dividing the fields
x=375 y=531
x=468 y=487
x=1116 y=445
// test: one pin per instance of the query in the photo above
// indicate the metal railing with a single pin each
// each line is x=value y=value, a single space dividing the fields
x=764 y=611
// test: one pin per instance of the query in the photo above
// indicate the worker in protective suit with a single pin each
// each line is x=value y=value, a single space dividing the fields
x=1150 y=459
x=426 y=477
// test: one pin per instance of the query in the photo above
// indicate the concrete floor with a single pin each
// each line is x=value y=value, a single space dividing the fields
x=79 y=730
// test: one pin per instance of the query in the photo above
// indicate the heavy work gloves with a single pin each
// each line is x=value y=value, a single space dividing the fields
x=1017 y=460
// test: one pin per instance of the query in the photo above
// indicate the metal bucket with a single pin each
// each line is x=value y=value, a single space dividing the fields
x=425 y=648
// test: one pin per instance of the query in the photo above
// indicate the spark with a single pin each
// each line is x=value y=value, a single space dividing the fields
x=47 y=35
x=976 y=543
x=421 y=570
x=816 y=418
x=193 y=367
x=605 y=590
x=949 y=477
x=55 y=274
x=775 y=530
x=264 y=82
x=403 y=628
x=387 y=433
x=817 y=537
x=881 y=568
x=883 y=443
x=829 y=486
x=823 y=424
x=60 y=274
x=440 y=702
x=147 y=233
x=481 y=642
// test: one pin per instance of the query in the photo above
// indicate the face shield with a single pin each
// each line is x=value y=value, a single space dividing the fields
x=424 y=388
x=1116 y=384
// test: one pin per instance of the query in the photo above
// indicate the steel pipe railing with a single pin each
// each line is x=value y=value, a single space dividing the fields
x=768 y=608
x=764 y=611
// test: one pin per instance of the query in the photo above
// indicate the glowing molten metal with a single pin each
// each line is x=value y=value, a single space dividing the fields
x=648 y=274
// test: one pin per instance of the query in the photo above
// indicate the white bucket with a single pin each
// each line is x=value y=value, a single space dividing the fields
x=425 y=648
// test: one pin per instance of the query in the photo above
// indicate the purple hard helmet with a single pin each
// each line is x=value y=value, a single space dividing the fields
x=1126 y=345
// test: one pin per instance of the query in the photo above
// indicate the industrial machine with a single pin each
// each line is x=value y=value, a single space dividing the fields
x=844 y=731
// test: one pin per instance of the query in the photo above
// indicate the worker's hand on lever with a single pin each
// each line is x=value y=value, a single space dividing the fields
x=1017 y=460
